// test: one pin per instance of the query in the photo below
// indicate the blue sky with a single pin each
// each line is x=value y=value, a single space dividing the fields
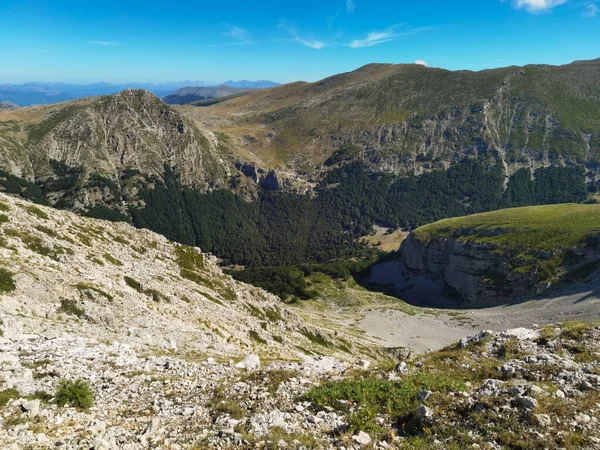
x=86 y=41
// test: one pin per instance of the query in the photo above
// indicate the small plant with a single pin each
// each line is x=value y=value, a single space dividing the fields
x=70 y=307
x=76 y=393
x=37 y=212
x=7 y=282
x=3 y=218
x=8 y=394
x=133 y=284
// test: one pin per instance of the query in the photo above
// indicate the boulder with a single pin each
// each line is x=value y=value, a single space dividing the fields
x=250 y=362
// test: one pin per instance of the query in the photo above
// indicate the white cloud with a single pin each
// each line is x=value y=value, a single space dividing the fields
x=373 y=38
x=420 y=62
x=291 y=29
x=350 y=6
x=238 y=33
x=380 y=37
x=591 y=10
x=102 y=43
x=538 y=5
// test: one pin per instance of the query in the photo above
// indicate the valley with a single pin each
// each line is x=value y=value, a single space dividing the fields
x=393 y=257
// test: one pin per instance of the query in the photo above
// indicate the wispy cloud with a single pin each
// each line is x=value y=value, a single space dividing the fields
x=381 y=37
x=591 y=10
x=102 y=43
x=350 y=6
x=537 y=5
x=420 y=62
x=241 y=35
x=295 y=36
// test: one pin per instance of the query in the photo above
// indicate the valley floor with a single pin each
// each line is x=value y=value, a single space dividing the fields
x=429 y=328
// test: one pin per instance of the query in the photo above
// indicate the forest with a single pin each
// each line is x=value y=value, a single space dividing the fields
x=284 y=229
x=281 y=229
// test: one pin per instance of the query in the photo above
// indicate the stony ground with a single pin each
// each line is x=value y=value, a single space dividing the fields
x=518 y=389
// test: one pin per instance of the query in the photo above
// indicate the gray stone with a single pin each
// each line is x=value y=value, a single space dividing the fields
x=250 y=362
x=362 y=439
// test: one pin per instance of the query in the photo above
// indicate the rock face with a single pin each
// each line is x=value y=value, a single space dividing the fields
x=130 y=130
x=470 y=268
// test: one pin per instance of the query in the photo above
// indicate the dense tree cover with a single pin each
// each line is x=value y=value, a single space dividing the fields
x=289 y=282
x=282 y=229
x=22 y=187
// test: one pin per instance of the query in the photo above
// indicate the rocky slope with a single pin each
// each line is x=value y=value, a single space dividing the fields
x=509 y=254
x=131 y=130
x=164 y=351
x=61 y=272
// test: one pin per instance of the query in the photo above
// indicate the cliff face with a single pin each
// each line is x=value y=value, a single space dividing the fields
x=509 y=254
x=472 y=269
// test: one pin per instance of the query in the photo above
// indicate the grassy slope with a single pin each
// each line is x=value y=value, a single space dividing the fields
x=531 y=228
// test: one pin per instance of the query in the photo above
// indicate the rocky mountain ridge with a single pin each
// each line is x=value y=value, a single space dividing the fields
x=411 y=119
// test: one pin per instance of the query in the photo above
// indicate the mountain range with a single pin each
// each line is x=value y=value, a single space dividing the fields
x=190 y=94
x=34 y=93
x=208 y=274
x=399 y=145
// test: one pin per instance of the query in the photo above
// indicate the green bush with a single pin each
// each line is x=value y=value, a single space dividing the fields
x=7 y=282
x=7 y=395
x=76 y=393
x=70 y=307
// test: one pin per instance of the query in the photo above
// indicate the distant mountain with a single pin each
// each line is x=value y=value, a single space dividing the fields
x=191 y=94
x=8 y=105
x=260 y=84
x=35 y=93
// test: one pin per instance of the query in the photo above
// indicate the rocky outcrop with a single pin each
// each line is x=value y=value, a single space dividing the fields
x=471 y=269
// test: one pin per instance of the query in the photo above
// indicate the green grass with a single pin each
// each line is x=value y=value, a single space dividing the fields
x=188 y=258
x=76 y=393
x=114 y=261
x=36 y=212
x=256 y=337
x=8 y=394
x=85 y=289
x=133 y=284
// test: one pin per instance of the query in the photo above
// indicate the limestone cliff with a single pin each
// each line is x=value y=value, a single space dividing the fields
x=509 y=254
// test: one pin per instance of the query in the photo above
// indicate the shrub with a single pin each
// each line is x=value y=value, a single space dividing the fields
x=133 y=284
x=76 y=393
x=7 y=282
x=7 y=395
x=70 y=307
